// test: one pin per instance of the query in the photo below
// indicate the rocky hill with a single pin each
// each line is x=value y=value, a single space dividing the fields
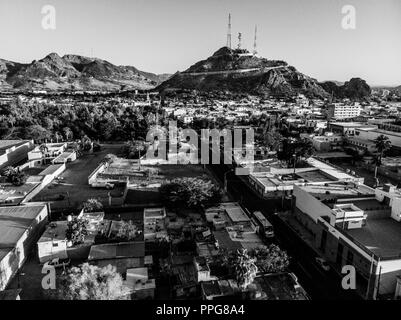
x=240 y=71
x=356 y=88
x=74 y=72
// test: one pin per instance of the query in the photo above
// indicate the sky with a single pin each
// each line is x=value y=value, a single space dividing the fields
x=165 y=36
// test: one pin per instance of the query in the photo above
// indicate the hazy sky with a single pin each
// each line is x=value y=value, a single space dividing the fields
x=164 y=36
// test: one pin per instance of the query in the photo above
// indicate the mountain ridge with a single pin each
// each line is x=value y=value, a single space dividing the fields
x=74 y=72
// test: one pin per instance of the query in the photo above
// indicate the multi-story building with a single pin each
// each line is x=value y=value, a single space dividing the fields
x=357 y=226
x=343 y=111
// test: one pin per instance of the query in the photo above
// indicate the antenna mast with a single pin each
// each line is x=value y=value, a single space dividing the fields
x=229 y=31
x=254 y=41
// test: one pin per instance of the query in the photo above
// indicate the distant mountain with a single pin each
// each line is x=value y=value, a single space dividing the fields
x=241 y=71
x=74 y=72
x=356 y=88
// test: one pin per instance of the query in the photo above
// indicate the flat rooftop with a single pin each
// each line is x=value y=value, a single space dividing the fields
x=9 y=191
x=117 y=250
x=315 y=176
x=381 y=236
x=6 y=144
x=339 y=190
x=338 y=174
x=348 y=124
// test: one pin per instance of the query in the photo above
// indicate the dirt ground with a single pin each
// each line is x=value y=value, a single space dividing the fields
x=74 y=186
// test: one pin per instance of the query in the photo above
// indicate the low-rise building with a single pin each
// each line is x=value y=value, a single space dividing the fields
x=46 y=152
x=14 y=151
x=20 y=227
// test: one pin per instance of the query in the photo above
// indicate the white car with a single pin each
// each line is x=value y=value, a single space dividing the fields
x=322 y=263
x=57 y=262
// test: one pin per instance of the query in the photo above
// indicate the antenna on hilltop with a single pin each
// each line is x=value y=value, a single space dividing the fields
x=254 y=41
x=239 y=40
x=229 y=31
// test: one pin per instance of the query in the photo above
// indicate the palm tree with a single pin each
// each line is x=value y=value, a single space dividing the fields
x=92 y=205
x=43 y=149
x=243 y=265
x=382 y=145
x=58 y=136
x=67 y=133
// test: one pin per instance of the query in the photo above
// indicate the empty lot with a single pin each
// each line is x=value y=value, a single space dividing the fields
x=74 y=186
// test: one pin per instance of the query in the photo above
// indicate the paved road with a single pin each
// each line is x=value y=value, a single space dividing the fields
x=208 y=73
x=319 y=284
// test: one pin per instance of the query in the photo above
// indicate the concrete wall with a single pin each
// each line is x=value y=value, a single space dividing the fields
x=310 y=205
x=388 y=270
x=52 y=249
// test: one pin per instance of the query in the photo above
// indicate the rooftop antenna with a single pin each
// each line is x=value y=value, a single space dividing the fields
x=239 y=40
x=229 y=31
x=254 y=42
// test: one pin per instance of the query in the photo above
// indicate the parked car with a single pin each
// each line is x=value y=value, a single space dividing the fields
x=106 y=185
x=57 y=262
x=322 y=263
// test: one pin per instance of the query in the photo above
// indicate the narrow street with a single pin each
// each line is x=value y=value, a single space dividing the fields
x=319 y=284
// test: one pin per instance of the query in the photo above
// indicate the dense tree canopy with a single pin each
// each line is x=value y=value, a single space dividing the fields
x=76 y=230
x=270 y=259
x=242 y=265
x=92 y=205
x=44 y=121
x=190 y=192
x=88 y=282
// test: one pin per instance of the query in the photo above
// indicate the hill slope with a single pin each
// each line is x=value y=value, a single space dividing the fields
x=73 y=72
x=240 y=71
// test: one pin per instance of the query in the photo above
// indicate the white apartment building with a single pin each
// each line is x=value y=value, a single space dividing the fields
x=343 y=111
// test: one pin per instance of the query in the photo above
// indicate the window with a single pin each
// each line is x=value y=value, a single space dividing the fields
x=55 y=244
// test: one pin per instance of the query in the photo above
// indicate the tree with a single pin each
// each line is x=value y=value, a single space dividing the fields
x=273 y=139
x=190 y=192
x=37 y=132
x=76 y=230
x=18 y=179
x=88 y=282
x=86 y=143
x=270 y=259
x=58 y=136
x=299 y=148
x=67 y=133
x=134 y=149
x=243 y=265
x=8 y=172
x=92 y=205
x=383 y=144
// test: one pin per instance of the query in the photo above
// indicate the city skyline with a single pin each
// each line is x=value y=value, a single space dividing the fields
x=160 y=38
